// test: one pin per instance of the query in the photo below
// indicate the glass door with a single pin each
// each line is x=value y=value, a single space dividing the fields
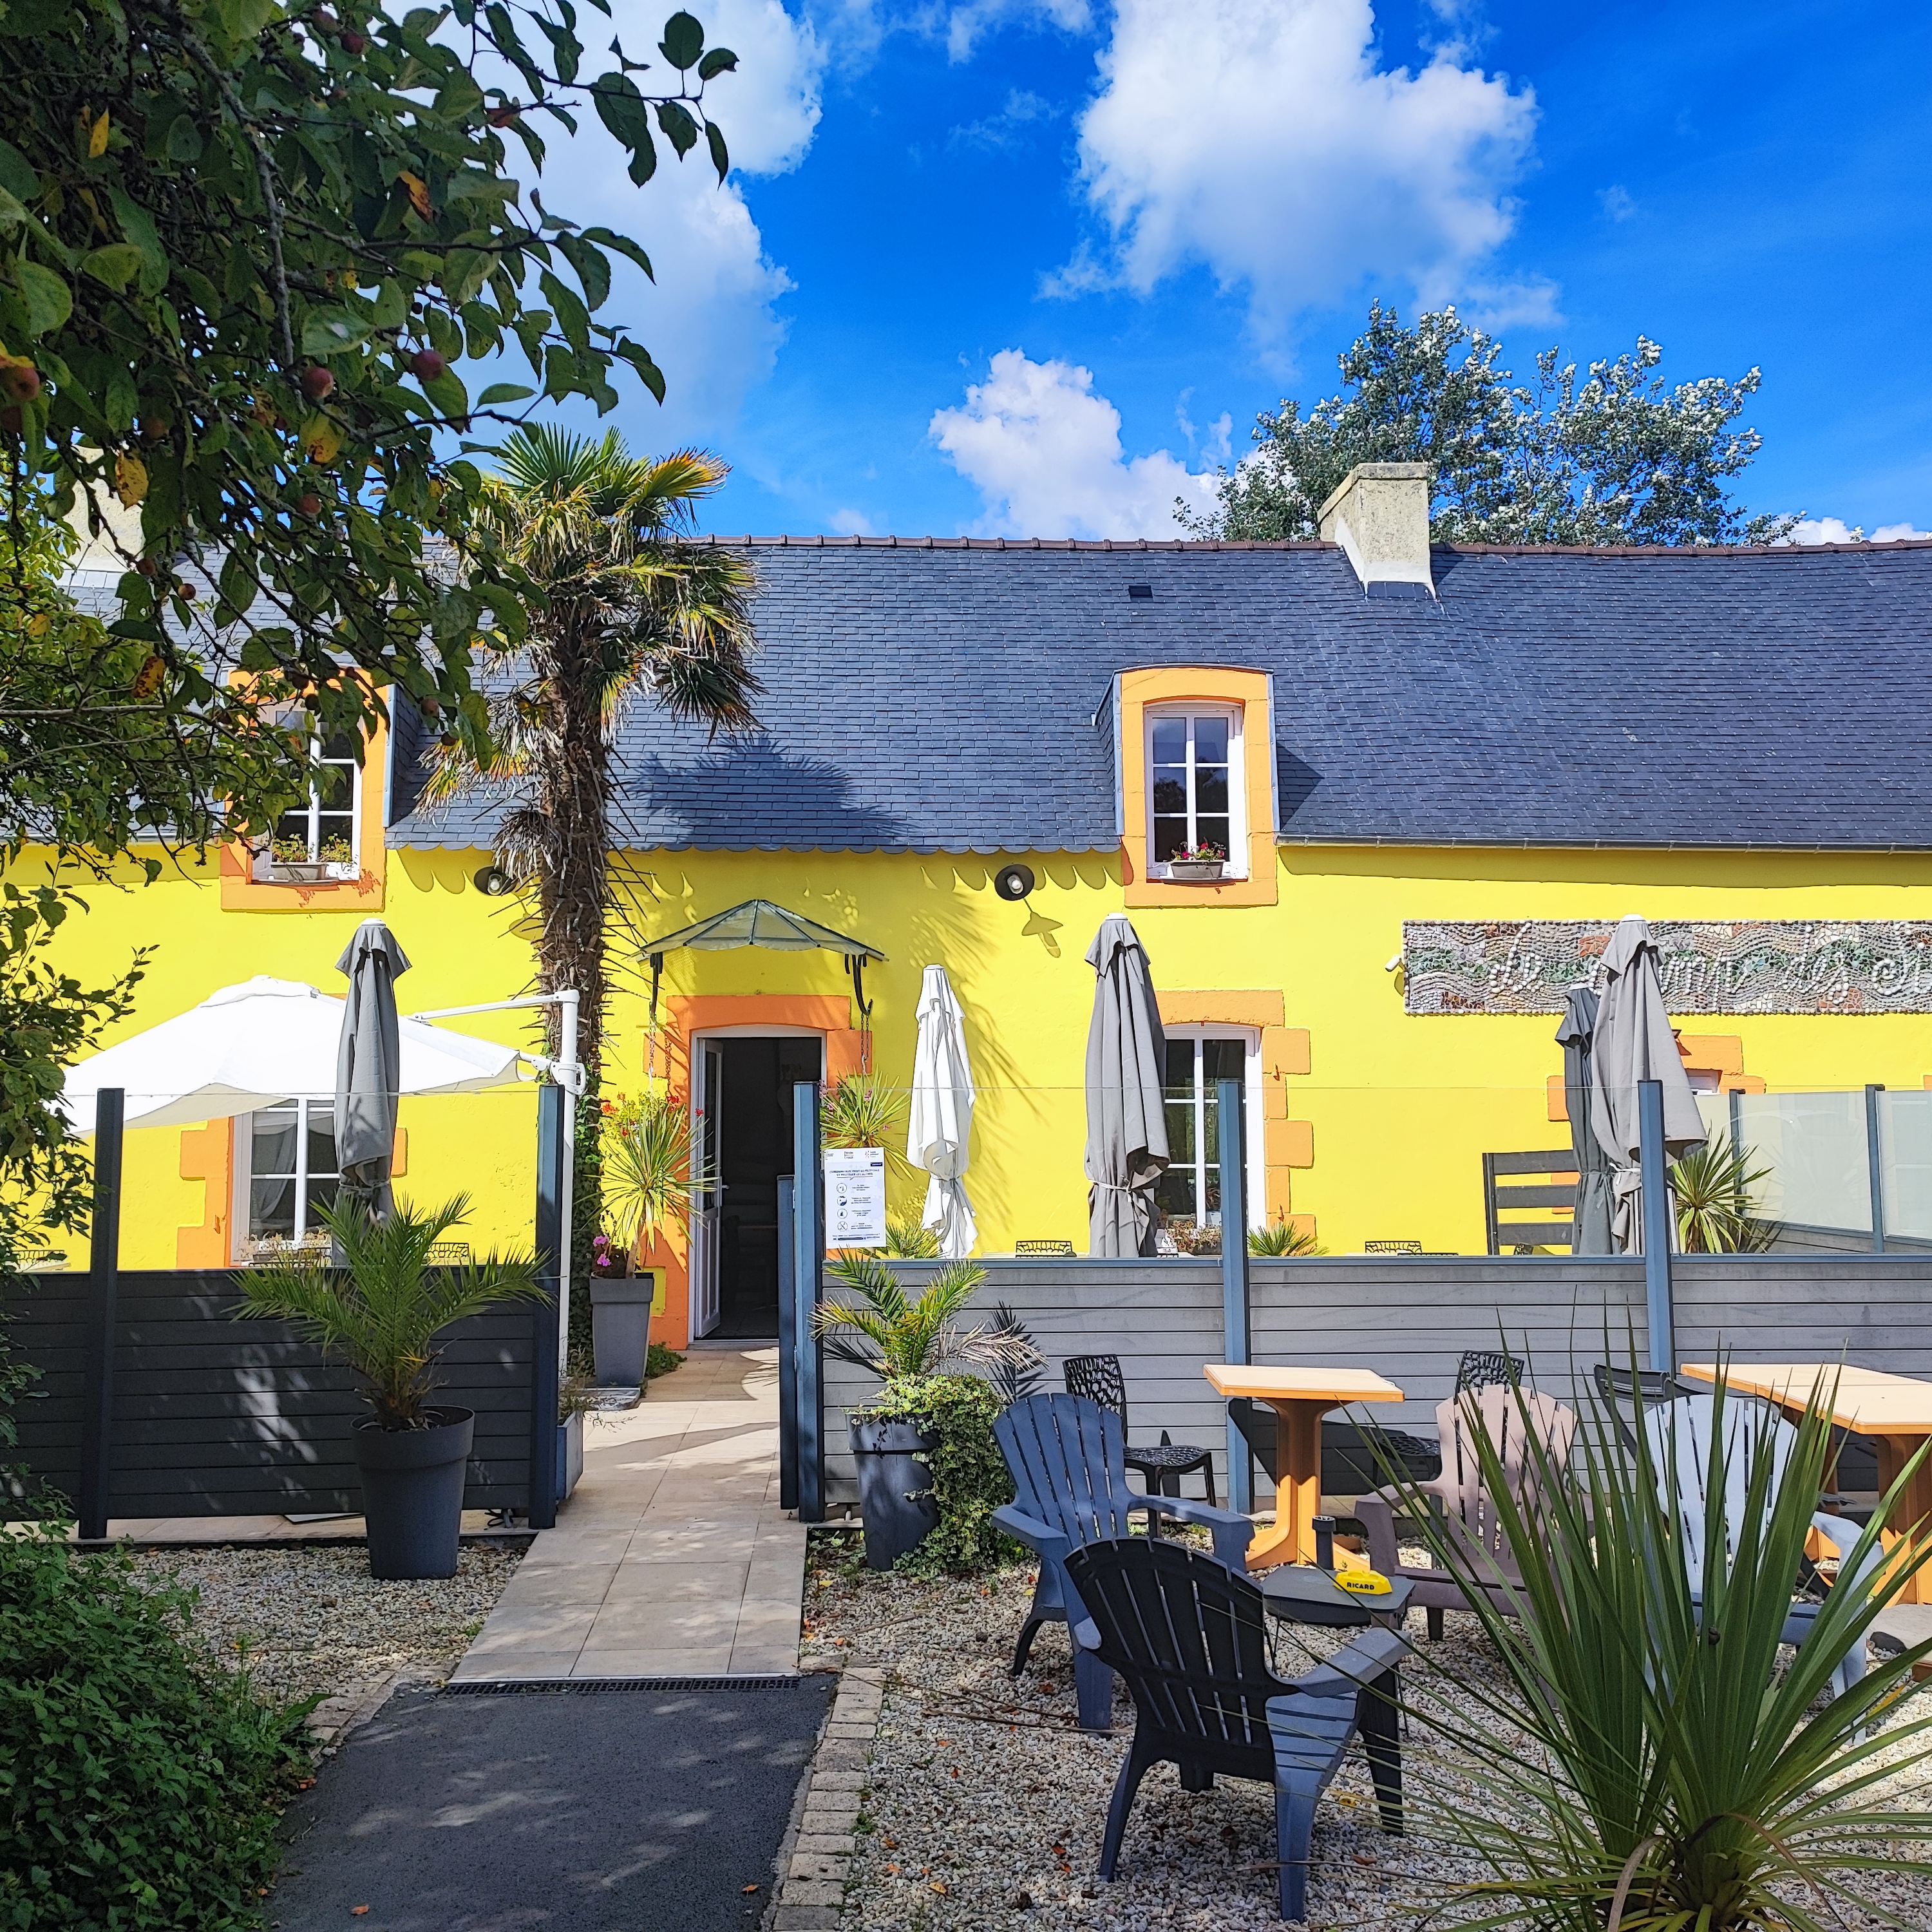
x=1188 y=1196
x=707 y=1201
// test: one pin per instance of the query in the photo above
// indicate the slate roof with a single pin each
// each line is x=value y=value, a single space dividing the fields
x=939 y=695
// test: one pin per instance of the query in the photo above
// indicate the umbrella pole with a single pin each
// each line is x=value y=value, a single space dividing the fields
x=1654 y=1208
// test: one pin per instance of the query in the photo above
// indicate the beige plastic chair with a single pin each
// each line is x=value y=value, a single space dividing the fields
x=1511 y=1418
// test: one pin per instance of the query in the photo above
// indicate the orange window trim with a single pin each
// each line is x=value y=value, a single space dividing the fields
x=1248 y=689
x=828 y=1014
x=241 y=893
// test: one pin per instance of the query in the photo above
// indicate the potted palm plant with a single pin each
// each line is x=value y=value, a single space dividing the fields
x=1202 y=864
x=652 y=1165
x=909 y=1345
x=382 y=1313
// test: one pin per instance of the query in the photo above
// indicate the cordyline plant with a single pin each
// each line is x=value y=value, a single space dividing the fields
x=1676 y=1774
x=652 y=1163
x=383 y=1311
x=908 y=1338
x=244 y=245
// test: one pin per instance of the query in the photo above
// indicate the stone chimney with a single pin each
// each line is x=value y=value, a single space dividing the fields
x=1380 y=516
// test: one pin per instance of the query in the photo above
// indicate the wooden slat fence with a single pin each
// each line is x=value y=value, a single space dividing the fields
x=214 y=1417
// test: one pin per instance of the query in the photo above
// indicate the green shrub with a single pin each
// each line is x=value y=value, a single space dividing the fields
x=660 y=1359
x=969 y=1474
x=140 y=1786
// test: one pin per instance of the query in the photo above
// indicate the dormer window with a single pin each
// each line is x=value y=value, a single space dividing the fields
x=1196 y=787
x=320 y=839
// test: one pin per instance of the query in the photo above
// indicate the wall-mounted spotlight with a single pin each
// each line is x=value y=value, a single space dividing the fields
x=1013 y=882
x=493 y=882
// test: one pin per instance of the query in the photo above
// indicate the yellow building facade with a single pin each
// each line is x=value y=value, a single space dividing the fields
x=1463 y=787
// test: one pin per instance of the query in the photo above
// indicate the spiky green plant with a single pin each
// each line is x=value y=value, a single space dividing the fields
x=652 y=1163
x=1675 y=1774
x=383 y=1311
x=906 y=1337
x=859 y=1111
x=1715 y=1187
x=908 y=1238
x=1281 y=1236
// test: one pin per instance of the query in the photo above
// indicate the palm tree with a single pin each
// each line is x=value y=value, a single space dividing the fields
x=633 y=609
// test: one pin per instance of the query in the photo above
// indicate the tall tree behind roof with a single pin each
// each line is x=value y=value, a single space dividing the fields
x=1617 y=456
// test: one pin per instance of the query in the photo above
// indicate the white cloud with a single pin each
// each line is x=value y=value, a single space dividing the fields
x=1044 y=452
x=965 y=25
x=1263 y=139
x=1009 y=129
x=1616 y=202
x=1836 y=530
x=708 y=318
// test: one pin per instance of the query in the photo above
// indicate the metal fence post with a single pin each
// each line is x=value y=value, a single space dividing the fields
x=1656 y=1224
x=1876 y=1167
x=807 y=1274
x=96 y=1414
x=553 y=1145
x=788 y=1348
x=1235 y=1341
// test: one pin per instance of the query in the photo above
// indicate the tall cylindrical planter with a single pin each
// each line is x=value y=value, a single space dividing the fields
x=894 y=1487
x=412 y=1493
x=620 y=1330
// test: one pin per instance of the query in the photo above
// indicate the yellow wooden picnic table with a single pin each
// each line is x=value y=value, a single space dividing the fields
x=1300 y=1398
x=1895 y=1411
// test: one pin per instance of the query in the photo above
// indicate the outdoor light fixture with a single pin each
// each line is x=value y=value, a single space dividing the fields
x=493 y=882
x=1013 y=882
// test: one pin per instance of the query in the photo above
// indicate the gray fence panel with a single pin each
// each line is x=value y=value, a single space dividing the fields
x=1411 y=1319
x=216 y=1416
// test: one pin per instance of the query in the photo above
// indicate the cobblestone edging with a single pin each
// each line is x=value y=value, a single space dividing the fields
x=820 y=1862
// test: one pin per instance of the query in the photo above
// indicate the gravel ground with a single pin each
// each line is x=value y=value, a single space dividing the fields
x=986 y=1802
x=309 y=1622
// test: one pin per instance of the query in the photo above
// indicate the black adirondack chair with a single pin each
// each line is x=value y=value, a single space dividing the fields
x=1189 y=1637
x=1068 y=1458
x=1162 y=1465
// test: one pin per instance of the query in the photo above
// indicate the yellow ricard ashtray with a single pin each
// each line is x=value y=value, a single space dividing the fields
x=1364 y=1582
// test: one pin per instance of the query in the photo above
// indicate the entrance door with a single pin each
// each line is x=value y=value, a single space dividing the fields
x=707 y=1201
x=745 y=1107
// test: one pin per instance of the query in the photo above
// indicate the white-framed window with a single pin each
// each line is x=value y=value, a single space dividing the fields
x=1188 y=1196
x=285 y=1169
x=1195 y=784
x=327 y=830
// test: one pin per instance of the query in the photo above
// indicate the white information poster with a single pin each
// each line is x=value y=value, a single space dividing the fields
x=855 y=1197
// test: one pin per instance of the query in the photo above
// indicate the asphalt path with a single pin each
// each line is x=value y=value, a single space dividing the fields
x=524 y=1812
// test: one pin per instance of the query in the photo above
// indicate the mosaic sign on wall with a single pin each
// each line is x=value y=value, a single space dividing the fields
x=1708 y=966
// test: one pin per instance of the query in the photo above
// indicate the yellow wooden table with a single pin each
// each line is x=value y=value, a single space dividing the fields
x=1300 y=1398
x=1894 y=1411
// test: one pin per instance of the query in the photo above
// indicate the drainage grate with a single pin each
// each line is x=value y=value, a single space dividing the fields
x=579 y=1686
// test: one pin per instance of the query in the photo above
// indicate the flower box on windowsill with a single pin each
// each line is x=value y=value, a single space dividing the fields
x=270 y=871
x=1197 y=872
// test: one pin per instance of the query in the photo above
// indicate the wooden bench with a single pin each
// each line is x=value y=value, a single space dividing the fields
x=1556 y=1188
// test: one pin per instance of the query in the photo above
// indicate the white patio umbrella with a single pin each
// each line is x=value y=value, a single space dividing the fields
x=1632 y=1042
x=259 y=1043
x=941 y=1125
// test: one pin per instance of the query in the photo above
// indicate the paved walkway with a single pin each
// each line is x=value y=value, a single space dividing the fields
x=673 y=1559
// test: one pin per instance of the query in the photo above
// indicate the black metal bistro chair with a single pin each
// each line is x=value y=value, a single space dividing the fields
x=1484 y=1368
x=1098 y=1377
x=1189 y=1638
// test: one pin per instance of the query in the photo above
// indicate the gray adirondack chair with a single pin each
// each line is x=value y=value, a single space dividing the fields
x=1187 y=1635
x=1679 y=1434
x=1067 y=1457
x=1507 y=1417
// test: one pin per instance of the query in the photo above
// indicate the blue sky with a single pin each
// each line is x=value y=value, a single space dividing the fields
x=1030 y=266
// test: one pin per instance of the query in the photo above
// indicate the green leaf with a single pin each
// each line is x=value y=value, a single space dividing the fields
x=448 y=394
x=50 y=301
x=184 y=142
x=16 y=174
x=11 y=212
x=639 y=358
x=122 y=400
x=680 y=129
x=463 y=272
x=593 y=271
x=720 y=159
x=621 y=245
x=504 y=392
x=390 y=309
x=719 y=60
x=138 y=227
x=331 y=331
x=683 y=42
x=571 y=317
x=116 y=266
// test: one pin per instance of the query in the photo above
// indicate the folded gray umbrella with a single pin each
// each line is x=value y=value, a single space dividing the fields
x=1590 y=1226
x=1632 y=1042
x=368 y=1067
x=1126 y=1112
